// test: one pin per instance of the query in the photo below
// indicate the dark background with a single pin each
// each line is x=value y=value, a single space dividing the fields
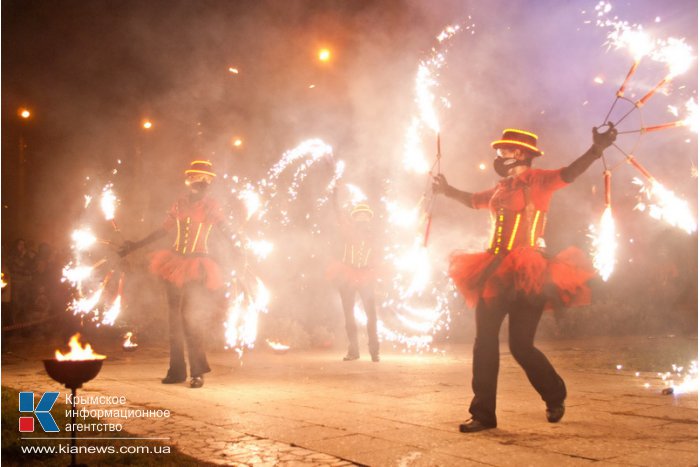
x=92 y=71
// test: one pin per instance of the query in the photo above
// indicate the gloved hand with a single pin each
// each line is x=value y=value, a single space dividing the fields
x=605 y=139
x=440 y=185
x=126 y=248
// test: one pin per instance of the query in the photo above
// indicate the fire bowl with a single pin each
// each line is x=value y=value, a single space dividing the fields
x=73 y=373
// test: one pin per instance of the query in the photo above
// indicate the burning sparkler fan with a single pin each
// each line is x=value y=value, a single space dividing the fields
x=97 y=283
x=677 y=56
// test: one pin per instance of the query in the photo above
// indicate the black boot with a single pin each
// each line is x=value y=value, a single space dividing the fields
x=555 y=412
x=474 y=426
x=173 y=379
x=197 y=382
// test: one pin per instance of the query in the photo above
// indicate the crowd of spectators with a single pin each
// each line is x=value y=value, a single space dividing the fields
x=32 y=292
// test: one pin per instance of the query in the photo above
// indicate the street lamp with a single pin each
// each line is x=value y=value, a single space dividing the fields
x=23 y=199
x=147 y=124
x=324 y=55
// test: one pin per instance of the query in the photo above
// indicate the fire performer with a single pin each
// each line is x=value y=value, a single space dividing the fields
x=353 y=272
x=190 y=275
x=514 y=276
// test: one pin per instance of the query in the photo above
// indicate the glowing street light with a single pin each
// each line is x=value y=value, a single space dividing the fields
x=233 y=70
x=237 y=142
x=147 y=124
x=24 y=113
x=324 y=55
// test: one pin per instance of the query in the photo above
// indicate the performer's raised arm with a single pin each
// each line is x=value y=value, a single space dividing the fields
x=472 y=200
x=128 y=246
x=601 y=141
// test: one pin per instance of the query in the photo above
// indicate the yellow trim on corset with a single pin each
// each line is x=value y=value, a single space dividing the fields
x=177 y=237
x=206 y=239
x=514 y=232
x=187 y=235
x=533 y=230
x=196 y=237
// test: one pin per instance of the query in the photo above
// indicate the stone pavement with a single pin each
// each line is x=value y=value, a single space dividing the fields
x=310 y=408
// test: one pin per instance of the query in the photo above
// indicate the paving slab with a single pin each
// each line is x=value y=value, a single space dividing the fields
x=310 y=408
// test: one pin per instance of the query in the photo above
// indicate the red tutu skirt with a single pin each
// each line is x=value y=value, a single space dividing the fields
x=342 y=274
x=563 y=278
x=179 y=269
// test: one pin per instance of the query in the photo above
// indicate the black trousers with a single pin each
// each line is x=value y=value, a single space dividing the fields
x=523 y=317
x=347 y=297
x=190 y=308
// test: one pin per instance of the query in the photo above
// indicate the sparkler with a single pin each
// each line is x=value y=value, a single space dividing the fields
x=260 y=248
x=637 y=41
x=251 y=200
x=83 y=239
x=408 y=283
x=668 y=207
x=90 y=289
x=312 y=151
x=677 y=56
x=416 y=261
x=401 y=216
x=426 y=81
x=77 y=274
x=417 y=343
x=338 y=171
x=425 y=98
x=357 y=196
x=689 y=382
x=604 y=244
x=247 y=302
x=691 y=121
x=419 y=310
x=313 y=147
x=241 y=326
x=108 y=202
x=680 y=380
x=88 y=304
x=110 y=316
x=672 y=52
x=604 y=241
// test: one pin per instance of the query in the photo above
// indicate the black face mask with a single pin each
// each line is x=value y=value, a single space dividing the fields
x=503 y=164
x=200 y=187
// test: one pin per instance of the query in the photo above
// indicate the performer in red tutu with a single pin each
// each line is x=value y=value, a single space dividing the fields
x=514 y=276
x=189 y=273
x=353 y=272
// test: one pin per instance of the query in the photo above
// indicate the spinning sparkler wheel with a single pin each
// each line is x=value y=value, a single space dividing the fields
x=96 y=272
x=677 y=56
x=627 y=118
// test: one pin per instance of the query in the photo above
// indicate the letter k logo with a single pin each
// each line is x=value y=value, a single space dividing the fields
x=42 y=411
